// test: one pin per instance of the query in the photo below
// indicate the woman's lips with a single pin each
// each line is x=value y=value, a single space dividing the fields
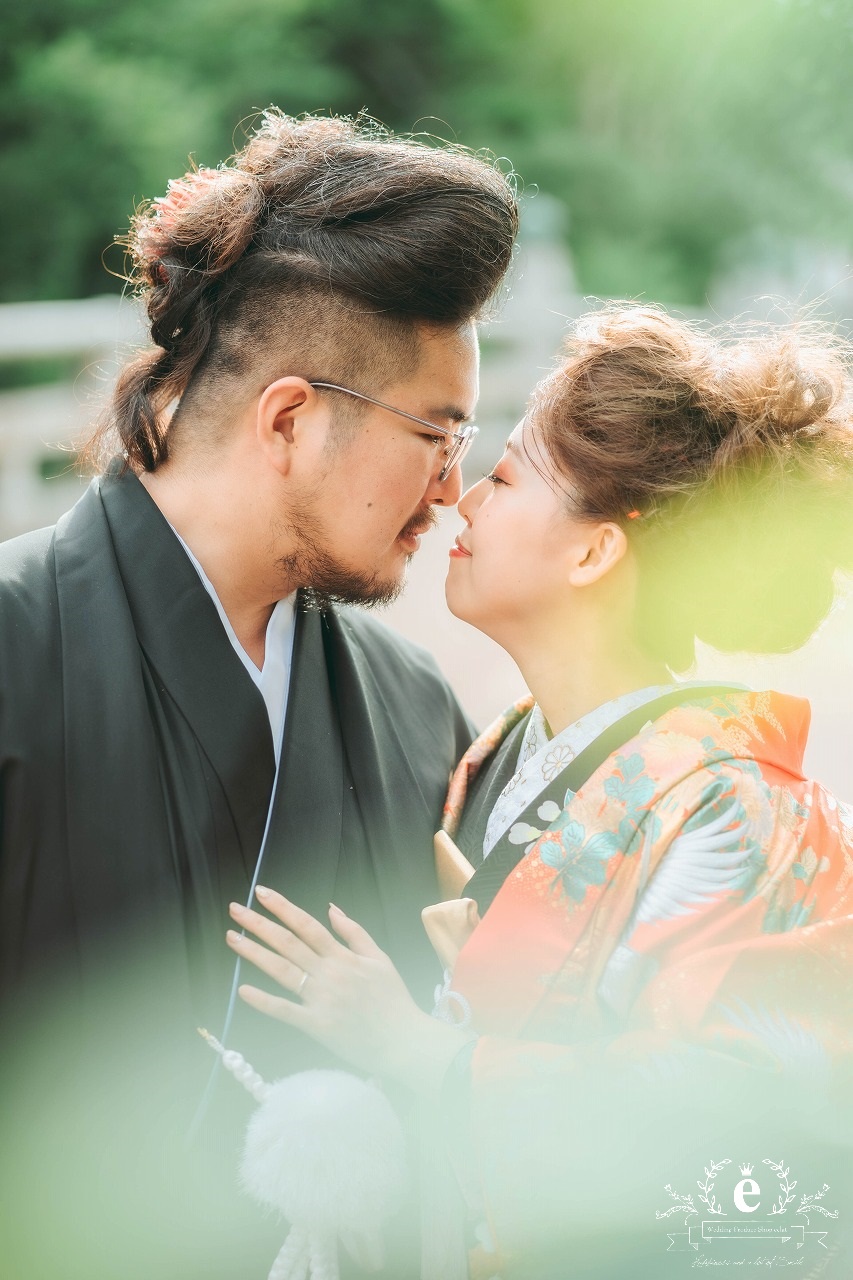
x=458 y=552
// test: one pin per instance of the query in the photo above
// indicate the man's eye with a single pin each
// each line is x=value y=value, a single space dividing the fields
x=436 y=440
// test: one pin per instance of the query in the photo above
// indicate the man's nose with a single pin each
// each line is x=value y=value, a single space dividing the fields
x=446 y=492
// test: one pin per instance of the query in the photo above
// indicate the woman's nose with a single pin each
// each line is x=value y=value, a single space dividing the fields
x=471 y=499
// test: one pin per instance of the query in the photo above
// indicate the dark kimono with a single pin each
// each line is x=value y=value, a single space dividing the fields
x=136 y=766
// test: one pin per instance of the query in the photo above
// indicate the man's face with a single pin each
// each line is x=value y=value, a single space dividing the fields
x=359 y=524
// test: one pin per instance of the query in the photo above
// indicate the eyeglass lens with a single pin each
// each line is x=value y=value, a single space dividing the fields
x=456 y=453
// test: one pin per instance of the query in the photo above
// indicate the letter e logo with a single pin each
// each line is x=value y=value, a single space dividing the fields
x=746 y=1187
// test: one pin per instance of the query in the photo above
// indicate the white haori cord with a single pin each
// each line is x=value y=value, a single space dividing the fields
x=349 y=1174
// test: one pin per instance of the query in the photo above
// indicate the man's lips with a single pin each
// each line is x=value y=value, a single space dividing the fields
x=417 y=528
x=459 y=552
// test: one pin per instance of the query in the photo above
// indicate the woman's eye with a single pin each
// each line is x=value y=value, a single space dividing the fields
x=493 y=479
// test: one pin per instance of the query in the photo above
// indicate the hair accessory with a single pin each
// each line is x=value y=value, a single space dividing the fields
x=634 y=515
x=325 y=1149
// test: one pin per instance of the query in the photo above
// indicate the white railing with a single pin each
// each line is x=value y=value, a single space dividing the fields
x=42 y=425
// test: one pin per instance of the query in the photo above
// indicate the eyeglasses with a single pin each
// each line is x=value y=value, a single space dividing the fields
x=459 y=441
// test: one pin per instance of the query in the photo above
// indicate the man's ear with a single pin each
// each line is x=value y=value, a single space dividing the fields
x=286 y=409
x=598 y=551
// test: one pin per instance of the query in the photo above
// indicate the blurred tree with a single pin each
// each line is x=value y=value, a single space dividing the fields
x=671 y=131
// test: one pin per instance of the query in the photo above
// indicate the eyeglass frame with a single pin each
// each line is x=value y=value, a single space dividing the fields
x=461 y=440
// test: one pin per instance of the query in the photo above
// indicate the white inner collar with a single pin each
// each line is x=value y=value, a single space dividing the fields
x=273 y=679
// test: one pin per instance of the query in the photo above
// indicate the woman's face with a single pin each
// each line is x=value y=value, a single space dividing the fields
x=512 y=567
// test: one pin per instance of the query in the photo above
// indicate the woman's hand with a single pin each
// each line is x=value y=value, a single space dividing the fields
x=350 y=997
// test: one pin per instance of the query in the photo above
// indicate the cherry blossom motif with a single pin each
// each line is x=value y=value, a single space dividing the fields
x=555 y=761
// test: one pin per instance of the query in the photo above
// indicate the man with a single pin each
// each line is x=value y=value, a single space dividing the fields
x=184 y=705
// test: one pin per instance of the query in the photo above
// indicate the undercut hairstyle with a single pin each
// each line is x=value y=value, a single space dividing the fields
x=725 y=454
x=319 y=250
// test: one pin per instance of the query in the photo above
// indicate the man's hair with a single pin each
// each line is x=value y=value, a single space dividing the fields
x=317 y=250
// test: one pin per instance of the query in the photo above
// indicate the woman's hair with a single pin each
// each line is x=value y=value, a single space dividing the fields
x=727 y=457
x=317 y=250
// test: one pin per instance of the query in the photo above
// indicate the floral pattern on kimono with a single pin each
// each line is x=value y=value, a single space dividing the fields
x=695 y=896
x=543 y=757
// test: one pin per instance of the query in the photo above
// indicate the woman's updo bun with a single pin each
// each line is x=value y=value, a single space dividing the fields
x=727 y=456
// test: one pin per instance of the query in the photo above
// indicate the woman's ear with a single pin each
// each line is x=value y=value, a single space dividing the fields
x=599 y=551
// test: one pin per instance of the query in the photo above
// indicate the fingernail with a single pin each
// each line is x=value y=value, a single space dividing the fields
x=332 y=907
x=233 y=936
x=261 y=891
x=235 y=908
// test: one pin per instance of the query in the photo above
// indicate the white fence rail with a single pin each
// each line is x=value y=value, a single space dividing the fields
x=41 y=425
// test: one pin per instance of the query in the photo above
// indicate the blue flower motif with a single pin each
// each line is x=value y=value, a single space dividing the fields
x=718 y=760
x=555 y=853
x=721 y=707
x=780 y=919
x=629 y=783
x=580 y=863
x=572 y=834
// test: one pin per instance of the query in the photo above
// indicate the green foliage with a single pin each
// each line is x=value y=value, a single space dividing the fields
x=37 y=371
x=672 y=131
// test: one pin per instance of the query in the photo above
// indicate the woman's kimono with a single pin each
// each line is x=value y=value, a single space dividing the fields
x=663 y=980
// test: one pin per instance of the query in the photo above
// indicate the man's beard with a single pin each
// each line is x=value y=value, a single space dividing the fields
x=325 y=581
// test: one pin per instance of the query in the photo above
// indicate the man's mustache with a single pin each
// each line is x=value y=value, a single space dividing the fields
x=420 y=523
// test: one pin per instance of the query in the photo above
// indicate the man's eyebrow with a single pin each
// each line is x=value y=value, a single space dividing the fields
x=449 y=413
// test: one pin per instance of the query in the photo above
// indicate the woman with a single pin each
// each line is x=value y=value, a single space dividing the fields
x=658 y=884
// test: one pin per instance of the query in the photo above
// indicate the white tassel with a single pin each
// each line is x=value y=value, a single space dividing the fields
x=292 y=1260
x=240 y=1069
x=326 y=1149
